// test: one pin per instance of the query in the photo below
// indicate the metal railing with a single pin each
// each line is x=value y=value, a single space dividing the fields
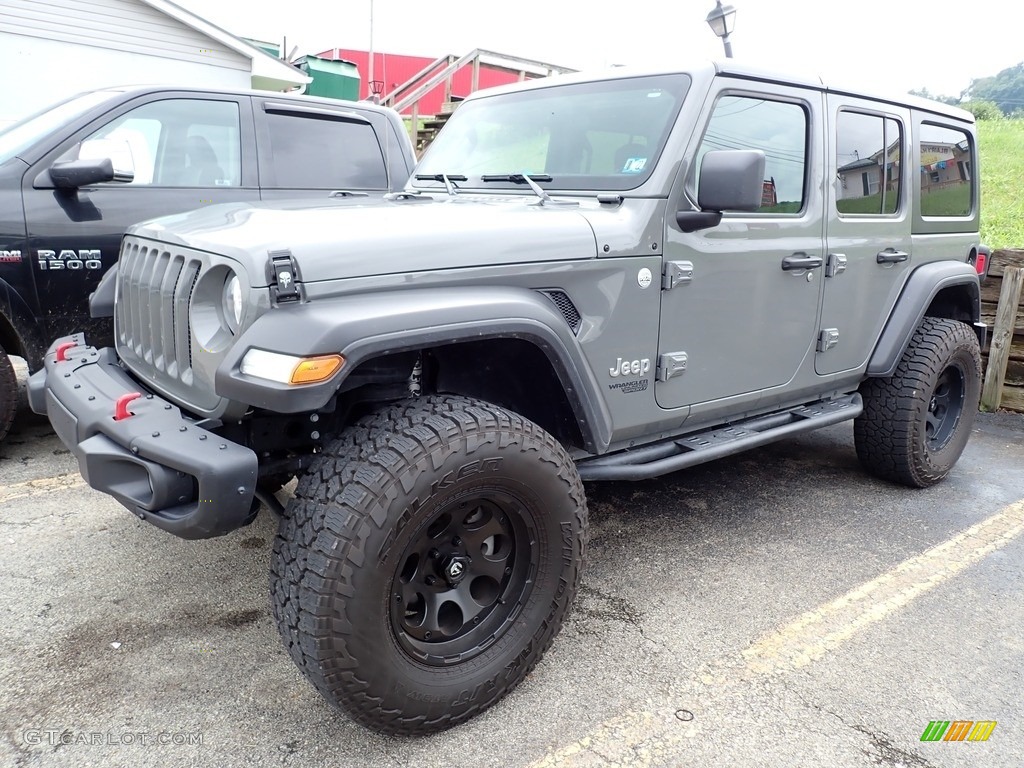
x=443 y=69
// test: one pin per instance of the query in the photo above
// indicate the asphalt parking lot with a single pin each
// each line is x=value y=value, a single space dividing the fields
x=776 y=608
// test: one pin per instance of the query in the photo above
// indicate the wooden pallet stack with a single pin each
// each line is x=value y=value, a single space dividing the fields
x=1013 y=384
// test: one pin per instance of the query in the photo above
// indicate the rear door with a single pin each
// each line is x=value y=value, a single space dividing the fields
x=868 y=228
x=186 y=150
x=742 y=317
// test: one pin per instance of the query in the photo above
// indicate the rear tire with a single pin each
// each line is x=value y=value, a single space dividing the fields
x=8 y=394
x=427 y=561
x=916 y=423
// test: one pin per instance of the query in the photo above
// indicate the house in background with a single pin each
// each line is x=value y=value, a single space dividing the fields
x=55 y=49
x=863 y=177
x=943 y=164
x=860 y=178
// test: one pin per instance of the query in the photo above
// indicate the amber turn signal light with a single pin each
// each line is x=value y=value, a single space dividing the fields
x=314 y=369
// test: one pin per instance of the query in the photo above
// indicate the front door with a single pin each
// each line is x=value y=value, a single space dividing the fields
x=185 y=152
x=868 y=229
x=742 y=316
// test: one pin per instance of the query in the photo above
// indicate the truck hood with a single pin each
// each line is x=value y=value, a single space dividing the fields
x=361 y=238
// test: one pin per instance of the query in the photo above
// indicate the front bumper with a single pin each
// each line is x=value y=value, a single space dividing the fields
x=157 y=462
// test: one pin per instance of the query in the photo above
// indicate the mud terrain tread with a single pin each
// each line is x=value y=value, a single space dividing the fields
x=888 y=434
x=330 y=519
x=8 y=394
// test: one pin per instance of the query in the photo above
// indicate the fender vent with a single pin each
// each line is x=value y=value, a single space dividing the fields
x=564 y=305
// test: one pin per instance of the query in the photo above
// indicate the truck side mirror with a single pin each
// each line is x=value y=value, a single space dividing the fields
x=80 y=173
x=98 y=160
x=730 y=180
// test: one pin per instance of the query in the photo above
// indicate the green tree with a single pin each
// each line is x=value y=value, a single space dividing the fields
x=926 y=94
x=982 y=110
x=1005 y=89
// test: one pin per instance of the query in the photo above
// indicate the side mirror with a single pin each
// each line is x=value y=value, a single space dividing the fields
x=81 y=173
x=98 y=160
x=730 y=180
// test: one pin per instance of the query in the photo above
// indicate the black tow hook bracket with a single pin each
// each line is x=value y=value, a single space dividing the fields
x=284 y=277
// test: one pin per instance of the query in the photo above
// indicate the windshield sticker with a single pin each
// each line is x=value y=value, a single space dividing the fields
x=634 y=165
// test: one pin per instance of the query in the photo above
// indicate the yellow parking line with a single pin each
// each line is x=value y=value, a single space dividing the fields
x=40 y=486
x=816 y=632
x=654 y=737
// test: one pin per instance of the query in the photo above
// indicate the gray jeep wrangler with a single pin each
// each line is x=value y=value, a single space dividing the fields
x=588 y=278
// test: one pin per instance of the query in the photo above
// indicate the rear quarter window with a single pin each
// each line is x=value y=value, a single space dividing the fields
x=946 y=167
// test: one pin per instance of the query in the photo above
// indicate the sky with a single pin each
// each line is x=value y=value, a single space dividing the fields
x=891 y=45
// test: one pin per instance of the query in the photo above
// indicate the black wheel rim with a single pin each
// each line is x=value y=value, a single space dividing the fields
x=463 y=578
x=944 y=408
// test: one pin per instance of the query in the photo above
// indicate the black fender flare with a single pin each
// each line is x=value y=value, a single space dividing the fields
x=921 y=289
x=360 y=327
x=101 y=300
x=28 y=334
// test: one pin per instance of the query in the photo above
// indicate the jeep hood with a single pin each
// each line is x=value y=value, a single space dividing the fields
x=360 y=238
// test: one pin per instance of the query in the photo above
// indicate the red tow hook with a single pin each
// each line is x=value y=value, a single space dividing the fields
x=121 y=405
x=62 y=350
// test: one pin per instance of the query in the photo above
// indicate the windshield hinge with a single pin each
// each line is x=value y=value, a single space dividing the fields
x=284 y=277
x=676 y=273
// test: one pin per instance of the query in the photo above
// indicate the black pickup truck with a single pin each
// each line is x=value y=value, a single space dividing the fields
x=75 y=176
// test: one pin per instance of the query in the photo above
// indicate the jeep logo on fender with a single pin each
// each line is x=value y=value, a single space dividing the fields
x=630 y=367
x=68 y=259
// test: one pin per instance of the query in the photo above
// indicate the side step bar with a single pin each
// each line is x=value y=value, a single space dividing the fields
x=679 y=453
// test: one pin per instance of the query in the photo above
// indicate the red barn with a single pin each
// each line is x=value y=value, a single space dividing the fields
x=394 y=69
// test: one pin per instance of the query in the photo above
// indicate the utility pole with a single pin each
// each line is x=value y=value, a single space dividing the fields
x=369 y=79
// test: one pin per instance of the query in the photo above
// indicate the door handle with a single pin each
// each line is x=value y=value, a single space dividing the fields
x=891 y=256
x=801 y=261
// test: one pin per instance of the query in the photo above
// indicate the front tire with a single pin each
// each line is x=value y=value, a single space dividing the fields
x=8 y=394
x=916 y=423
x=427 y=561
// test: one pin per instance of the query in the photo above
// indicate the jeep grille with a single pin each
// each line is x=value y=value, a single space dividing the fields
x=152 y=329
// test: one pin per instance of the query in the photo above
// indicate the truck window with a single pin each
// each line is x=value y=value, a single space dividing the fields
x=946 y=167
x=175 y=143
x=868 y=167
x=321 y=153
x=777 y=128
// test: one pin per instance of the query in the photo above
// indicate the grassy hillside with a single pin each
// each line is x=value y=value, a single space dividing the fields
x=1001 y=143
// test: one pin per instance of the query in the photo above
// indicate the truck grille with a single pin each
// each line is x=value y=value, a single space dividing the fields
x=154 y=339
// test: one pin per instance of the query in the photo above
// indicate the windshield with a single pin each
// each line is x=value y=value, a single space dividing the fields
x=18 y=137
x=594 y=136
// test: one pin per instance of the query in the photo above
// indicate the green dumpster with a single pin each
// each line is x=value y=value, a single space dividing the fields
x=333 y=78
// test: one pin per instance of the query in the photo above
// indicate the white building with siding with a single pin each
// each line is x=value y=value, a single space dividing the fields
x=52 y=49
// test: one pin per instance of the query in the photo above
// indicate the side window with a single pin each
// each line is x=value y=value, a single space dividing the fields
x=868 y=153
x=946 y=166
x=316 y=153
x=174 y=143
x=779 y=129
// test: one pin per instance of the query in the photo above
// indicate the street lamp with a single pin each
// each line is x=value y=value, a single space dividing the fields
x=376 y=88
x=722 y=21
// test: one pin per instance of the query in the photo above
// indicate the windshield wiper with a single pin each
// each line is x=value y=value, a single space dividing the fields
x=446 y=178
x=531 y=180
x=516 y=178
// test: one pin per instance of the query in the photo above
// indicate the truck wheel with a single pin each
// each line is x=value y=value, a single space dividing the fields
x=916 y=423
x=427 y=561
x=8 y=394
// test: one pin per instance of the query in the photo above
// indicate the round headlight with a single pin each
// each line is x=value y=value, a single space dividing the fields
x=233 y=303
